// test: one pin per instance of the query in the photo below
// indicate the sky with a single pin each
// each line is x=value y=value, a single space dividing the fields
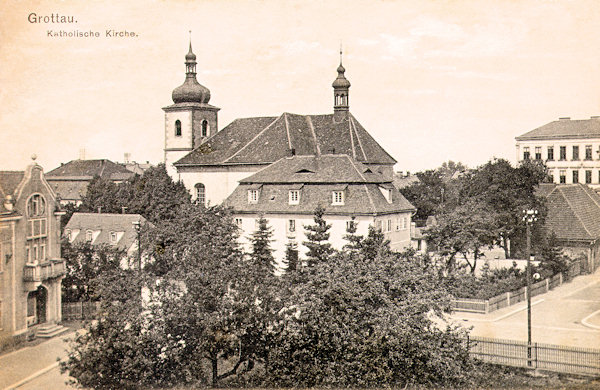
x=432 y=81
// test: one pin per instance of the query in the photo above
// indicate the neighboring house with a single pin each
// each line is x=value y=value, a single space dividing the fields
x=70 y=180
x=402 y=180
x=418 y=237
x=287 y=193
x=574 y=216
x=211 y=162
x=31 y=267
x=114 y=230
x=570 y=149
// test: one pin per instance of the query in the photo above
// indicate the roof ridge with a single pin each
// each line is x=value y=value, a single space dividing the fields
x=254 y=138
x=354 y=166
x=312 y=130
x=370 y=198
x=576 y=213
x=358 y=138
x=351 y=139
x=287 y=130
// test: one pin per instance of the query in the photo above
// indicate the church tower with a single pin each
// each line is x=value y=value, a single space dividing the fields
x=190 y=120
x=341 y=89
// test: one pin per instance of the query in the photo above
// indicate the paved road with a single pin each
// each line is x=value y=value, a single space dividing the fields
x=567 y=315
x=30 y=361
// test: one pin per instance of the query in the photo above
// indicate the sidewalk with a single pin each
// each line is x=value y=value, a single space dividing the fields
x=32 y=360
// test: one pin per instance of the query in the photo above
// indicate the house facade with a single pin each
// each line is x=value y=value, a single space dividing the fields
x=287 y=193
x=211 y=162
x=31 y=267
x=570 y=149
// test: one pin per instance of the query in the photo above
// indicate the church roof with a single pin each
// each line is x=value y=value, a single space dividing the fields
x=565 y=128
x=264 y=140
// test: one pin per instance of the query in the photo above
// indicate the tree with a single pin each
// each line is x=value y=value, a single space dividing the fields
x=553 y=259
x=319 y=249
x=262 y=254
x=374 y=244
x=426 y=194
x=291 y=257
x=101 y=194
x=88 y=269
x=359 y=322
x=465 y=230
x=353 y=241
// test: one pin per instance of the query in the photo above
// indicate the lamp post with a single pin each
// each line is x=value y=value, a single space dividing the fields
x=529 y=217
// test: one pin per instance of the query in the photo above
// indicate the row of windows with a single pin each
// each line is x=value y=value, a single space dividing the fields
x=337 y=197
x=89 y=236
x=204 y=131
x=35 y=251
x=383 y=226
x=587 y=176
x=562 y=153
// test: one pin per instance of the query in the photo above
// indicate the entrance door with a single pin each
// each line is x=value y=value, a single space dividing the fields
x=41 y=300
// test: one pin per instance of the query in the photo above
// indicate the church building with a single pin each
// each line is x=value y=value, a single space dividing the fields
x=211 y=162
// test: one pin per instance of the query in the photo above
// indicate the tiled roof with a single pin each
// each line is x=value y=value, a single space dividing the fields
x=564 y=129
x=401 y=181
x=264 y=140
x=573 y=211
x=317 y=178
x=69 y=190
x=87 y=169
x=106 y=223
x=9 y=180
x=330 y=168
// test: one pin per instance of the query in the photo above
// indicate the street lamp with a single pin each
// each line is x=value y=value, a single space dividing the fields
x=529 y=217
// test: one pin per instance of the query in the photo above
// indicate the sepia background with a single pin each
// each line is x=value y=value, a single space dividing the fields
x=431 y=80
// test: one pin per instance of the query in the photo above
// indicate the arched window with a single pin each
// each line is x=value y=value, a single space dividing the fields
x=36 y=206
x=205 y=128
x=178 y=128
x=200 y=193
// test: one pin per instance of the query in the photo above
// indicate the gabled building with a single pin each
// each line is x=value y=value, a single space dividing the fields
x=211 y=162
x=70 y=180
x=287 y=193
x=114 y=230
x=31 y=267
x=574 y=216
x=570 y=149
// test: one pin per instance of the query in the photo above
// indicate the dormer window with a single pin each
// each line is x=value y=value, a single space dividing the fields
x=337 y=198
x=294 y=197
x=113 y=238
x=252 y=196
x=177 y=128
x=88 y=235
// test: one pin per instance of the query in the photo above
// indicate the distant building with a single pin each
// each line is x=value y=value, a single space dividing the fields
x=570 y=149
x=402 y=180
x=70 y=180
x=113 y=230
x=287 y=193
x=31 y=267
x=211 y=162
x=574 y=216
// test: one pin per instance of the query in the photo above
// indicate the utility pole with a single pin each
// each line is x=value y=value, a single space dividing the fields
x=529 y=217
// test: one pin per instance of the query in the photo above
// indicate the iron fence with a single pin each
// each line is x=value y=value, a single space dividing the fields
x=557 y=358
x=73 y=311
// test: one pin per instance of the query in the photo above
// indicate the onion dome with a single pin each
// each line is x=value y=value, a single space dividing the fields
x=341 y=81
x=191 y=91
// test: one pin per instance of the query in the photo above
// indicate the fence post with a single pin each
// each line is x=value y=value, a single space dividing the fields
x=560 y=279
x=508 y=298
x=547 y=284
x=536 y=351
x=487 y=306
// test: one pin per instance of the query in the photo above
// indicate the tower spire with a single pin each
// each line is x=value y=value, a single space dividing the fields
x=341 y=89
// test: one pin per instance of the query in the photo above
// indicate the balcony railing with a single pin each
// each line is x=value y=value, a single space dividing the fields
x=53 y=268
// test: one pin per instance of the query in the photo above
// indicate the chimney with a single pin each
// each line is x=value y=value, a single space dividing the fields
x=293 y=151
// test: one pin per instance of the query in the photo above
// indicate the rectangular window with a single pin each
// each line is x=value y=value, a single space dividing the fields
x=551 y=153
x=538 y=152
x=575 y=152
x=238 y=222
x=27 y=254
x=252 y=196
x=563 y=152
x=294 y=197
x=588 y=177
x=337 y=198
x=42 y=252
x=88 y=236
x=551 y=176
x=113 y=237
x=575 y=176
x=562 y=176
x=291 y=225
x=526 y=153
x=404 y=223
x=389 y=225
x=350 y=225
x=35 y=252
x=588 y=152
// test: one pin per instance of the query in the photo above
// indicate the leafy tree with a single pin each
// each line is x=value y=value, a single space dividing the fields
x=465 y=230
x=153 y=195
x=374 y=244
x=319 y=249
x=262 y=254
x=359 y=322
x=88 y=269
x=553 y=259
x=426 y=194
